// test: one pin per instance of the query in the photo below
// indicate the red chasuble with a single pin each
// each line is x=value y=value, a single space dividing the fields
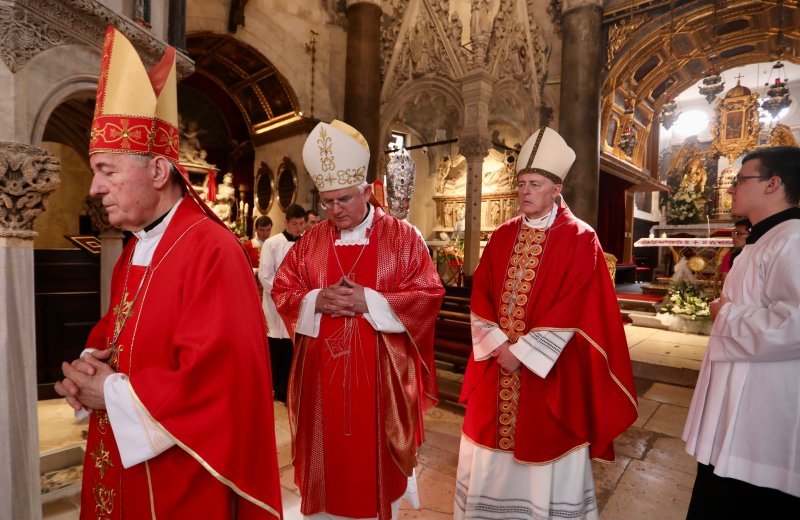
x=356 y=396
x=554 y=280
x=253 y=252
x=194 y=346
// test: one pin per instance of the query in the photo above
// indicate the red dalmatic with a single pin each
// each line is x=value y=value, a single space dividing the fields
x=356 y=396
x=588 y=398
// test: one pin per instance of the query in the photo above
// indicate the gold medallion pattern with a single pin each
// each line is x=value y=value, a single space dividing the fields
x=514 y=299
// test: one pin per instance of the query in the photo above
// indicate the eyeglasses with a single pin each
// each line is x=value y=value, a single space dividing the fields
x=740 y=233
x=739 y=178
x=341 y=201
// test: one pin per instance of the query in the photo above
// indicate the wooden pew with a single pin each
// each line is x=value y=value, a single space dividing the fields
x=452 y=341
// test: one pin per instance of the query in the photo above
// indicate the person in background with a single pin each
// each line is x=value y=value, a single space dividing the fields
x=263 y=228
x=312 y=219
x=272 y=254
x=741 y=230
x=743 y=425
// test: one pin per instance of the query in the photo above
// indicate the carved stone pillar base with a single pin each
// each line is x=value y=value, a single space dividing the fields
x=19 y=426
x=110 y=251
x=27 y=177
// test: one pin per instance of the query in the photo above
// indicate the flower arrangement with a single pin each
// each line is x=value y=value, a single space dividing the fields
x=687 y=300
x=453 y=253
x=685 y=206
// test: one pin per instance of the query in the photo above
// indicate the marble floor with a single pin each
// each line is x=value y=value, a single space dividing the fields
x=651 y=478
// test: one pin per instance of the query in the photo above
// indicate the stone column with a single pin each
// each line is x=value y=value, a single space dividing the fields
x=110 y=247
x=27 y=176
x=579 y=111
x=474 y=144
x=362 y=75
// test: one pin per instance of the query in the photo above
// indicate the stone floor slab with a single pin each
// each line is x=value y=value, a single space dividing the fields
x=606 y=478
x=647 y=408
x=670 y=394
x=650 y=491
x=668 y=419
x=633 y=442
x=670 y=452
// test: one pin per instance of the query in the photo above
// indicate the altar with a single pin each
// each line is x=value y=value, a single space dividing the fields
x=704 y=256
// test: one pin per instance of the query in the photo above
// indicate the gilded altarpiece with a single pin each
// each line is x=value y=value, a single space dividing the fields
x=498 y=199
x=734 y=132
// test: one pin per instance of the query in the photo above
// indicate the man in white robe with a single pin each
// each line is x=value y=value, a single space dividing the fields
x=272 y=254
x=744 y=421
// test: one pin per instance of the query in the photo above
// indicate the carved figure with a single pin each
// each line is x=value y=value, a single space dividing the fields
x=226 y=199
x=694 y=176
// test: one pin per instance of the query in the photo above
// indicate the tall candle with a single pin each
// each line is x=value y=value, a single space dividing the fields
x=708 y=225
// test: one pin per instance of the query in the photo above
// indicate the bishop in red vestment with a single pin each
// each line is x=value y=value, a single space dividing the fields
x=359 y=296
x=177 y=371
x=549 y=384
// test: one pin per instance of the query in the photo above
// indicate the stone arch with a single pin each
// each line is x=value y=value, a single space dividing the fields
x=405 y=104
x=512 y=114
x=80 y=86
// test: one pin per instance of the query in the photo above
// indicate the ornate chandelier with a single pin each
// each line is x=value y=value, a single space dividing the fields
x=777 y=95
x=712 y=85
x=669 y=113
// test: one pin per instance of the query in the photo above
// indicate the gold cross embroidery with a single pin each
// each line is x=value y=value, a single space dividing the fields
x=101 y=459
x=116 y=350
x=122 y=312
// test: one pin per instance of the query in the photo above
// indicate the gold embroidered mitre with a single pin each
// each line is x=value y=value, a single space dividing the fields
x=136 y=111
x=336 y=156
x=547 y=154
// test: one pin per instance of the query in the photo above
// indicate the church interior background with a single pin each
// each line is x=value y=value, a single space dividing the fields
x=660 y=100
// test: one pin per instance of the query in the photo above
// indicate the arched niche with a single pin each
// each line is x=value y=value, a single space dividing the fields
x=265 y=189
x=286 y=184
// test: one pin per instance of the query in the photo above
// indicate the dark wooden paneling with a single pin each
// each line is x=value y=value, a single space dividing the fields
x=67 y=299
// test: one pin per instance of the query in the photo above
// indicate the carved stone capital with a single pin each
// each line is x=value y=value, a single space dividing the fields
x=98 y=214
x=33 y=26
x=28 y=175
x=474 y=148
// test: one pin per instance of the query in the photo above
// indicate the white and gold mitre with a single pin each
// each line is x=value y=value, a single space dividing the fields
x=336 y=156
x=547 y=154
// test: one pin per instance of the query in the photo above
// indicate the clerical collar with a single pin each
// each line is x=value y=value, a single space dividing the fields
x=150 y=236
x=290 y=237
x=541 y=222
x=358 y=234
x=154 y=223
x=760 y=229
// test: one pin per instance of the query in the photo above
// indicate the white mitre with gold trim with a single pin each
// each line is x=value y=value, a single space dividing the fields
x=336 y=156
x=547 y=154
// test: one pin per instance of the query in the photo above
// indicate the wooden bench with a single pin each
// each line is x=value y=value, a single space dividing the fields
x=452 y=342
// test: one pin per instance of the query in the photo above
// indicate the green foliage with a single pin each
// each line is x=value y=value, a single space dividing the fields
x=686 y=299
x=685 y=207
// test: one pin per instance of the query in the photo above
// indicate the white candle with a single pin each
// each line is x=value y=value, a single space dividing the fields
x=708 y=225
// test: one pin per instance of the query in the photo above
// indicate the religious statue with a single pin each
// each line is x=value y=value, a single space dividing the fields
x=694 y=176
x=190 y=150
x=226 y=199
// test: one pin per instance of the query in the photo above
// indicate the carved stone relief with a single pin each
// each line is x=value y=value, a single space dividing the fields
x=28 y=175
x=431 y=111
x=29 y=27
x=97 y=212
